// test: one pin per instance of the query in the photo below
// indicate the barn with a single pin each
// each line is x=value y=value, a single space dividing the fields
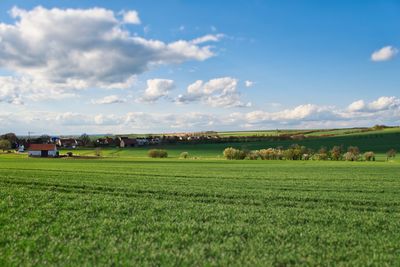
x=43 y=150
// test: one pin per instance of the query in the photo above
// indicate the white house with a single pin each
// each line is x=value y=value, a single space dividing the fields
x=43 y=150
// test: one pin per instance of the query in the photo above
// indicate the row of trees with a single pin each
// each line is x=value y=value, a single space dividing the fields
x=297 y=152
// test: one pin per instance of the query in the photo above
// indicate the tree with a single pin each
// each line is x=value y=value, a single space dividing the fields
x=5 y=144
x=10 y=137
x=354 y=150
x=336 y=153
x=43 y=139
x=369 y=156
x=391 y=154
x=98 y=152
x=85 y=139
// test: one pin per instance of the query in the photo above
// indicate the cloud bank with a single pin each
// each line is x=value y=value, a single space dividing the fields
x=64 y=50
x=384 y=110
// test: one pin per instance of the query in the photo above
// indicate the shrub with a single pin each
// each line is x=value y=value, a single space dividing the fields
x=270 y=154
x=253 y=155
x=336 y=153
x=69 y=154
x=354 y=150
x=5 y=144
x=350 y=156
x=98 y=152
x=233 y=153
x=369 y=156
x=321 y=156
x=391 y=154
x=184 y=155
x=157 y=153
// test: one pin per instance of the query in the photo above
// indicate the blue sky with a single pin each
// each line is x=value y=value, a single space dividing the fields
x=263 y=65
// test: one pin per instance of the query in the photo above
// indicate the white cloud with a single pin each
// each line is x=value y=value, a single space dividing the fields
x=384 y=54
x=219 y=92
x=208 y=38
x=75 y=49
x=357 y=105
x=382 y=103
x=111 y=99
x=156 y=89
x=131 y=17
x=16 y=90
x=248 y=83
x=302 y=116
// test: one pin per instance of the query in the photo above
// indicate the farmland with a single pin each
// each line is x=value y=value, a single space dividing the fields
x=378 y=141
x=123 y=208
x=198 y=212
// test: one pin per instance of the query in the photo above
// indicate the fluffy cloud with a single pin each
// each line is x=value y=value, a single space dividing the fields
x=131 y=17
x=384 y=110
x=111 y=99
x=156 y=89
x=382 y=103
x=16 y=90
x=248 y=83
x=208 y=38
x=75 y=49
x=384 y=54
x=219 y=92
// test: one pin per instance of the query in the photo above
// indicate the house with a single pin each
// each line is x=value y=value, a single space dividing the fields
x=107 y=141
x=142 y=141
x=127 y=142
x=21 y=148
x=67 y=142
x=43 y=150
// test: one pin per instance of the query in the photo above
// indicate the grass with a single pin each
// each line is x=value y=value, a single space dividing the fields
x=377 y=141
x=125 y=211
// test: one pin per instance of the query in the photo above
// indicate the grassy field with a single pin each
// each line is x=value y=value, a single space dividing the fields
x=377 y=141
x=126 y=211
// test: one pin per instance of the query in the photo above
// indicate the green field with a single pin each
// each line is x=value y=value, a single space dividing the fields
x=377 y=141
x=127 y=211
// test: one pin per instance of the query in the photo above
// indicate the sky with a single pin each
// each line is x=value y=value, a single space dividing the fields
x=71 y=67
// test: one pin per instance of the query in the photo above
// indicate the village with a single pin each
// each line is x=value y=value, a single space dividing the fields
x=48 y=146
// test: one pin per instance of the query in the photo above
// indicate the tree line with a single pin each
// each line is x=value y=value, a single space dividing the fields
x=297 y=152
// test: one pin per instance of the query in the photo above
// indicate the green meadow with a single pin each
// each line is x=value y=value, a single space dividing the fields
x=126 y=209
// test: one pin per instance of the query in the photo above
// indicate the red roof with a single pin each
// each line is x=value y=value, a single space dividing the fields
x=42 y=147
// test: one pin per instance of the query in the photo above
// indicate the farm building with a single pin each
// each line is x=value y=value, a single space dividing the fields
x=67 y=142
x=127 y=142
x=43 y=150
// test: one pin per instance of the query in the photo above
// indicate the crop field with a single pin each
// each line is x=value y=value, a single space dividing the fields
x=148 y=212
x=379 y=142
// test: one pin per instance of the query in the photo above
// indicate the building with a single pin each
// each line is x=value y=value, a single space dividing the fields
x=127 y=142
x=43 y=150
x=67 y=142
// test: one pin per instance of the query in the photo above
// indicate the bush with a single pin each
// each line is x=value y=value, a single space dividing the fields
x=98 y=152
x=184 y=155
x=321 y=156
x=369 y=156
x=270 y=154
x=350 y=156
x=233 y=153
x=336 y=153
x=157 y=153
x=5 y=144
x=391 y=154
x=69 y=154
x=253 y=155
x=354 y=150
